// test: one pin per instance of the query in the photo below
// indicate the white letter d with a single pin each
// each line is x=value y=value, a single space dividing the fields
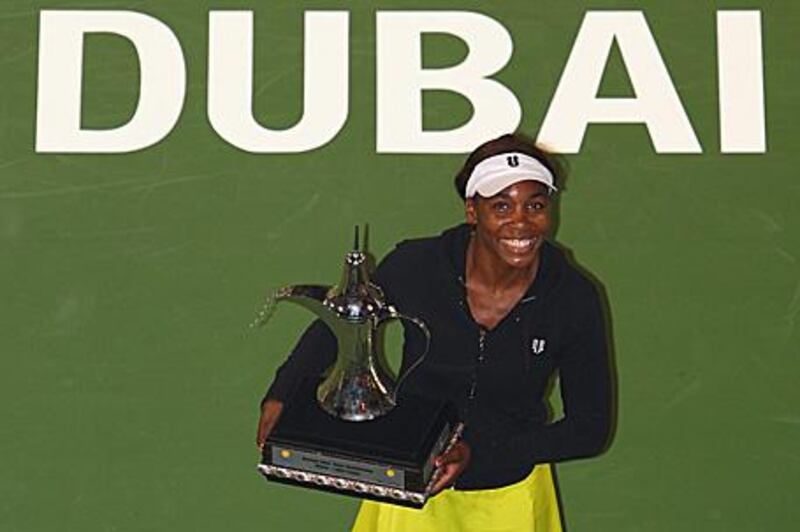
x=161 y=91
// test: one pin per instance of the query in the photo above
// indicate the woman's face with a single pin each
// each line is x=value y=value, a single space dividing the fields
x=513 y=224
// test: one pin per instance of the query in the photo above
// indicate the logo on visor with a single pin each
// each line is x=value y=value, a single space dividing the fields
x=513 y=161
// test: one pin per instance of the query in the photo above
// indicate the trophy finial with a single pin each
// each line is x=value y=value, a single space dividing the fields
x=355 y=240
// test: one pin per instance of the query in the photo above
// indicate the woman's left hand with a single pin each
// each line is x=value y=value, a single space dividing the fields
x=449 y=465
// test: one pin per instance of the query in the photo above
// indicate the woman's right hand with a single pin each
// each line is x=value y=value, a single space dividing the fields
x=270 y=412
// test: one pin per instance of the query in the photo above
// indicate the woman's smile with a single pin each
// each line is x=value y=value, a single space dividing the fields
x=520 y=245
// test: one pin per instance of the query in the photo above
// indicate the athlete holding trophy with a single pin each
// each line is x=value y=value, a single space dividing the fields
x=503 y=312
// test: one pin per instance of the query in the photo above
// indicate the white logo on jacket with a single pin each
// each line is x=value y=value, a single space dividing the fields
x=537 y=346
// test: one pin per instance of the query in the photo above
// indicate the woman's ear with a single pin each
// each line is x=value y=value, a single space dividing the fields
x=469 y=211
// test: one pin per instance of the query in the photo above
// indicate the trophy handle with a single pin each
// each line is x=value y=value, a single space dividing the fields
x=390 y=313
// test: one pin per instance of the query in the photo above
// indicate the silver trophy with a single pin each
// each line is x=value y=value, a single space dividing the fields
x=348 y=432
x=359 y=386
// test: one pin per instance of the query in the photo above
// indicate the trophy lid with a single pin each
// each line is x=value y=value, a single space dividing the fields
x=355 y=298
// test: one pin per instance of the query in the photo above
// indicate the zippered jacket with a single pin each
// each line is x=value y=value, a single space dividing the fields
x=500 y=378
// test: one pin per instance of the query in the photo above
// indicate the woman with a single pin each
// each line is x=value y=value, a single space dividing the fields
x=506 y=311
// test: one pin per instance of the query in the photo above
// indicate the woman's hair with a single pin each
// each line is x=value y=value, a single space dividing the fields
x=510 y=142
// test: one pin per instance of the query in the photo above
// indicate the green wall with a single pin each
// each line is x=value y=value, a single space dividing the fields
x=129 y=379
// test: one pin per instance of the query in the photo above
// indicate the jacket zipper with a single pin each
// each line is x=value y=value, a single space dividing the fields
x=481 y=358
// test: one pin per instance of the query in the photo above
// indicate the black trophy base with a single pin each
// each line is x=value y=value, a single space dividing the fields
x=388 y=459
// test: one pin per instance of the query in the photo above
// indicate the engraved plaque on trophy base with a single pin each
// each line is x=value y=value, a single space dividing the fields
x=389 y=459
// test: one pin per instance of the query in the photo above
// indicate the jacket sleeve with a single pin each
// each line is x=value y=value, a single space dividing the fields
x=314 y=352
x=586 y=391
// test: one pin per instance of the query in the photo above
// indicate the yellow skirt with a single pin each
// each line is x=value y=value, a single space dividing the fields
x=529 y=505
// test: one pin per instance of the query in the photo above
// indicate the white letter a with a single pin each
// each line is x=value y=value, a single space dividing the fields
x=575 y=103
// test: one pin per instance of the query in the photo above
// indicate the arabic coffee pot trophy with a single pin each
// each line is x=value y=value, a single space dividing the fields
x=359 y=386
x=348 y=433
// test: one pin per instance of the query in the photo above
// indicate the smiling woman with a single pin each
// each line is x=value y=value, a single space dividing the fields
x=506 y=184
x=506 y=312
x=503 y=254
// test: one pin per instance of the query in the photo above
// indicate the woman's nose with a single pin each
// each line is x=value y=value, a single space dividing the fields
x=519 y=216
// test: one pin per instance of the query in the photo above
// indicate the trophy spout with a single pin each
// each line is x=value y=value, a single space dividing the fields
x=311 y=297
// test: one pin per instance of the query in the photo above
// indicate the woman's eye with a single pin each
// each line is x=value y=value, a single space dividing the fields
x=537 y=206
x=500 y=206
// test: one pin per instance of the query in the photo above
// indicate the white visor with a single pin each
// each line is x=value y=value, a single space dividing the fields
x=495 y=173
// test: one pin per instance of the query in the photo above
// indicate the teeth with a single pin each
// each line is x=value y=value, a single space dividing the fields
x=519 y=243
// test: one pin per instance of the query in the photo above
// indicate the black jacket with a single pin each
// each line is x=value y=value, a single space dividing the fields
x=498 y=378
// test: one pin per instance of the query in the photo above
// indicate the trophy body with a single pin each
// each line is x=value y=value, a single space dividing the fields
x=349 y=433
